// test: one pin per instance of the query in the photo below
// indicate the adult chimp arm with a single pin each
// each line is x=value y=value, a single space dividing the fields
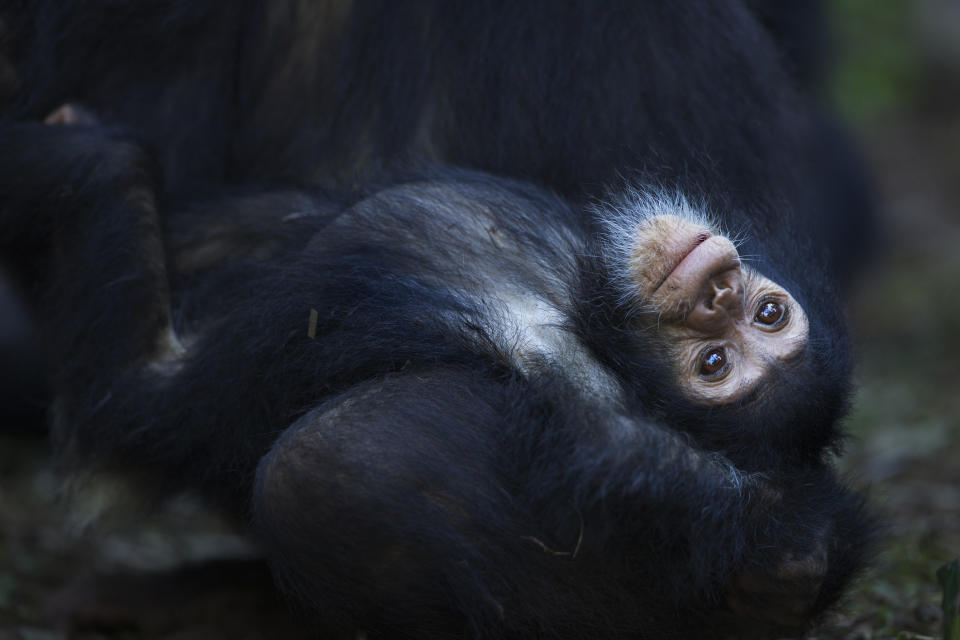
x=79 y=221
x=83 y=198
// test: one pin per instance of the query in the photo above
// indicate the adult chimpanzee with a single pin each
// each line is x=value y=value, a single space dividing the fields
x=491 y=433
x=715 y=96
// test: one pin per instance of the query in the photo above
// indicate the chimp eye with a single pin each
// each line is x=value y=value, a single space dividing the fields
x=770 y=313
x=713 y=362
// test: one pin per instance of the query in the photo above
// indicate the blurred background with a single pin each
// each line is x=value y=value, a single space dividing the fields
x=897 y=87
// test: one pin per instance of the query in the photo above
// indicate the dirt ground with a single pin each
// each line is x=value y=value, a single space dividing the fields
x=905 y=449
x=905 y=453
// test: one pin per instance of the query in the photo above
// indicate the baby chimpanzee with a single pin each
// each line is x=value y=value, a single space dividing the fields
x=451 y=407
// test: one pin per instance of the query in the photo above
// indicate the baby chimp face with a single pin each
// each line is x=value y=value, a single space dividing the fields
x=725 y=325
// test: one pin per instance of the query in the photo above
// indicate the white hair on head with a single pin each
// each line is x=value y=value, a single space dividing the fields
x=623 y=212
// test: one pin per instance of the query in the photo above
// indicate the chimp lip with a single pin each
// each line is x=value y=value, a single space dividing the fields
x=698 y=239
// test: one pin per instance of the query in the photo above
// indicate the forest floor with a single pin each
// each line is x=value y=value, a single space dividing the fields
x=905 y=449
x=905 y=453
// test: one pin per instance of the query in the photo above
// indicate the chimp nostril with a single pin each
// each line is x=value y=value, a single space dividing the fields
x=726 y=295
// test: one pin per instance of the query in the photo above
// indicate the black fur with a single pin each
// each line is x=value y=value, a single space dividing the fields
x=697 y=94
x=417 y=468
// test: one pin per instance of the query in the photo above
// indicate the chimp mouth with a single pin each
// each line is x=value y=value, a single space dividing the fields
x=698 y=240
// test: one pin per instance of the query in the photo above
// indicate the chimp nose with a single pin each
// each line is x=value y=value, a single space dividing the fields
x=727 y=291
x=720 y=303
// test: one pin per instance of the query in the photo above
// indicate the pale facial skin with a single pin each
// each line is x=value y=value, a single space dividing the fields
x=727 y=325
